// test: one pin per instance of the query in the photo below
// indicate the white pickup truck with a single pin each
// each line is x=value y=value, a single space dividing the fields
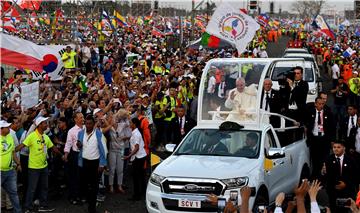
x=222 y=155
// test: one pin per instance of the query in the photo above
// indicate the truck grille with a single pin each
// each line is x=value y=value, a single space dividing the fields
x=192 y=186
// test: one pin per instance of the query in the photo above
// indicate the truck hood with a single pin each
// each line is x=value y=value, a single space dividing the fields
x=217 y=167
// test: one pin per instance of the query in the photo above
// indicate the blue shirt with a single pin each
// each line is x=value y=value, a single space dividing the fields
x=108 y=76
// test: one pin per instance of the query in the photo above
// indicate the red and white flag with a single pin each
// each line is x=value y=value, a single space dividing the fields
x=25 y=54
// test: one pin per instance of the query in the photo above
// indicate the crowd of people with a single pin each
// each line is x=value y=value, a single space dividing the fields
x=110 y=111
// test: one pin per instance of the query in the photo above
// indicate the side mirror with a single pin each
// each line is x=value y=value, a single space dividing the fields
x=170 y=147
x=275 y=153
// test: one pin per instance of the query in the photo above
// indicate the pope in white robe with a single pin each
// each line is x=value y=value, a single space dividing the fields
x=242 y=101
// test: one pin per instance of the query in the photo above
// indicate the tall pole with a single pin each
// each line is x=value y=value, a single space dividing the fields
x=192 y=19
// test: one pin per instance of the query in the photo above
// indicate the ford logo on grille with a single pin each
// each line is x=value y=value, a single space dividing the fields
x=193 y=188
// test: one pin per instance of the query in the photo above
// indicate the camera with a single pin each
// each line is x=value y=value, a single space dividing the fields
x=343 y=202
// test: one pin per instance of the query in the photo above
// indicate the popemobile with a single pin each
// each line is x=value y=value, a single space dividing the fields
x=237 y=142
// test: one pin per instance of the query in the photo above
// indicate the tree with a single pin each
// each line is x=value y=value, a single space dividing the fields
x=308 y=8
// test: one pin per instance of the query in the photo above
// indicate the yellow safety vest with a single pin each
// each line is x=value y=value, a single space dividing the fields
x=6 y=152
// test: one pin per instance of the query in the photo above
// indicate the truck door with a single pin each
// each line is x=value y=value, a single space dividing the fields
x=276 y=172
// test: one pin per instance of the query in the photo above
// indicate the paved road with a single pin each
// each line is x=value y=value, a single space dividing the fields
x=118 y=203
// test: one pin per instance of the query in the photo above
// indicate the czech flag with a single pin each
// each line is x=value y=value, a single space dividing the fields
x=320 y=23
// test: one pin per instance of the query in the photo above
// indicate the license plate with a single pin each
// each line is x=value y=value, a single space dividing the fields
x=190 y=203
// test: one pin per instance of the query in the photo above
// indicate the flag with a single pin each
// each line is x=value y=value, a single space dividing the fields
x=120 y=19
x=156 y=32
x=7 y=24
x=263 y=19
x=320 y=23
x=210 y=41
x=55 y=19
x=348 y=52
x=139 y=21
x=18 y=52
x=200 y=24
x=233 y=26
x=105 y=15
x=357 y=32
x=30 y=5
x=81 y=82
x=148 y=18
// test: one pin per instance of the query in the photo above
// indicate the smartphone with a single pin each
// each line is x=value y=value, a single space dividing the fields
x=343 y=202
x=253 y=191
x=234 y=197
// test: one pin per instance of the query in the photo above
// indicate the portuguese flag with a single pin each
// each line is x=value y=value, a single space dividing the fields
x=210 y=40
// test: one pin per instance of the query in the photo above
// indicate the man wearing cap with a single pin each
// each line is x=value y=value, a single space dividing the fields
x=38 y=143
x=8 y=174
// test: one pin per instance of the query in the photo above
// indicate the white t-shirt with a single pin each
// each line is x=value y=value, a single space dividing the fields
x=136 y=138
x=90 y=146
x=335 y=71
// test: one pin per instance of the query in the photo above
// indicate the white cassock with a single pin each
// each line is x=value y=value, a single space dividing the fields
x=243 y=102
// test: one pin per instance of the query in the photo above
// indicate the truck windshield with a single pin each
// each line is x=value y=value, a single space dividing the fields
x=224 y=78
x=214 y=142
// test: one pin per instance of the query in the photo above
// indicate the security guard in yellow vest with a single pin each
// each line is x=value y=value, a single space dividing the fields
x=8 y=173
x=68 y=58
x=169 y=103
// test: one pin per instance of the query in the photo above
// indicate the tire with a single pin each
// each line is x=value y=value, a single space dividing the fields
x=262 y=199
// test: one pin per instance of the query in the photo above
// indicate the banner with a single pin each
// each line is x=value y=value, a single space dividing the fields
x=25 y=54
x=29 y=95
x=232 y=25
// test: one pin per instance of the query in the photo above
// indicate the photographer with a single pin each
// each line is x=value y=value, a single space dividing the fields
x=298 y=94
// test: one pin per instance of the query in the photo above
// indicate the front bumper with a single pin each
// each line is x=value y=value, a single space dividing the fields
x=159 y=202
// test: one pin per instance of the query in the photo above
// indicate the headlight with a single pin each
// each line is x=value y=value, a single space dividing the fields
x=156 y=179
x=312 y=92
x=232 y=183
